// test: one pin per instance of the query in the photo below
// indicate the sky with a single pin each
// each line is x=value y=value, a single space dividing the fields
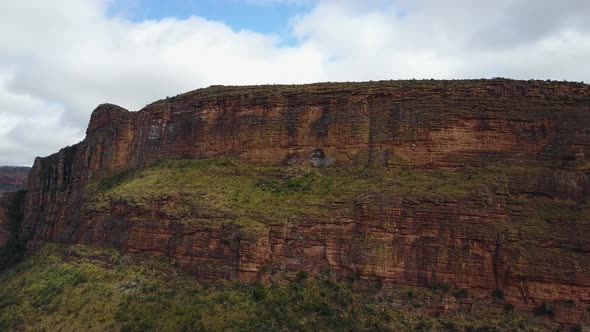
x=59 y=59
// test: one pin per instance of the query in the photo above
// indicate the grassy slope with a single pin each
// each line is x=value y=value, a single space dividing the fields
x=256 y=196
x=271 y=194
x=81 y=288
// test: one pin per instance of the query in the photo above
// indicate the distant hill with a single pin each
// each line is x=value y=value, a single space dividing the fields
x=13 y=178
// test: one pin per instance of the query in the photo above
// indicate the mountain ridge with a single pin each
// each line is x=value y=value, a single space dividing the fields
x=416 y=183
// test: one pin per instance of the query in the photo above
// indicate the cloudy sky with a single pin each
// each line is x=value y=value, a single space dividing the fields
x=61 y=58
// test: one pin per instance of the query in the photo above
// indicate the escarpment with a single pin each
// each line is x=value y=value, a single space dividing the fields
x=13 y=178
x=482 y=184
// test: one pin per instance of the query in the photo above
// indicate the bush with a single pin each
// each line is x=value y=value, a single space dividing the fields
x=293 y=184
x=498 y=293
x=448 y=325
x=423 y=326
x=259 y=293
x=544 y=310
x=508 y=308
x=443 y=286
x=461 y=293
x=301 y=276
x=322 y=309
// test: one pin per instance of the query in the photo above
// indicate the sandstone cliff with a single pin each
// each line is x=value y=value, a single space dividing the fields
x=13 y=178
x=481 y=184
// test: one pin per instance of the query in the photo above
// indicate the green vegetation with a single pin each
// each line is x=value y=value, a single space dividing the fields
x=534 y=88
x=544 y=310
x=442 y=286
x=461 y=293
x=78 y=288
x=498 y=293
x=257 y=196
x=274 y=193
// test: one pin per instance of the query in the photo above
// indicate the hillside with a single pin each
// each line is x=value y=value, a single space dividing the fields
x=13 y=178
x=470 y=191
x=77 y=288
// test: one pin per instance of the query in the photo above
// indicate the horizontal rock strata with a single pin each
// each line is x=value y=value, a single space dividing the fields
x=524 y=232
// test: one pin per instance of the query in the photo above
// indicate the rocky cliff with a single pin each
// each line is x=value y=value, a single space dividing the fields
x=483 y=185
x=13 y=178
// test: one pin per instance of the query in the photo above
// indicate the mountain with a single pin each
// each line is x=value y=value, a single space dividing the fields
x=13 y=178
x=472 y=186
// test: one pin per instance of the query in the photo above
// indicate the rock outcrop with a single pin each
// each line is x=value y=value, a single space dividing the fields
x=525 y=232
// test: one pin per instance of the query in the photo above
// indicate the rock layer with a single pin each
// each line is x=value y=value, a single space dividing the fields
x=482 y=243
x=13 y=178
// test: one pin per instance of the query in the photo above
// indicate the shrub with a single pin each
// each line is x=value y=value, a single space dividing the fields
x=289 y=185
x=259 y=293
x=423 y=326
x=443 y=286
x=301 y=276
x=461 y=293
x=498 y=293
x=508 y=308
x=379 y=283
x=321 y=308
x=544 y=310
x=449 y=325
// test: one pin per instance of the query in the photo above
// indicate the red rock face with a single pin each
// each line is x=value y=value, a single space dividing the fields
x=4 y=231
x=422 y=124
x=13 y=178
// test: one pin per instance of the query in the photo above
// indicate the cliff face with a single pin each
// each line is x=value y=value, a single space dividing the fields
x=480 y=184
x=13 y=178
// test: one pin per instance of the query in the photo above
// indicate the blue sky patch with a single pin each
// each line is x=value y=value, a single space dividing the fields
x=238 y=14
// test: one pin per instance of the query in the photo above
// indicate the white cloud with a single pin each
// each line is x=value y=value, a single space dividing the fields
x=61 y=58
x=449 y=39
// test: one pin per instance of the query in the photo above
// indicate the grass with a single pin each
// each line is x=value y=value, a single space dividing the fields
x=273 y=193
x=256 y=197
x=73 y=288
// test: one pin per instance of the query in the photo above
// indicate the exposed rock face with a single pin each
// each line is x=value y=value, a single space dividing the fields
x=482 y=243
x=4 y=229
x=13 y=178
